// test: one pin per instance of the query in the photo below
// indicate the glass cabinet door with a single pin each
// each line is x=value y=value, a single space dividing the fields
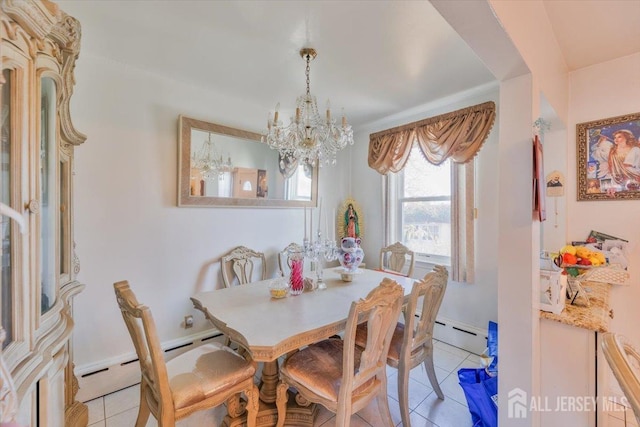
x=6 y=309
x=48 y=193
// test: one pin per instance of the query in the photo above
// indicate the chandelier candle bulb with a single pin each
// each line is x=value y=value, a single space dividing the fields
x=305 y=223
x=328 y=112
x=275 y=115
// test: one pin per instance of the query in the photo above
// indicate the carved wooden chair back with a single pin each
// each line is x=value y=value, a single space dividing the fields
x=412 y=341
x=624 y=361
x=283 y=258
x=346 y=378
x=394 y=258
x=201 y=378
x=238 y=265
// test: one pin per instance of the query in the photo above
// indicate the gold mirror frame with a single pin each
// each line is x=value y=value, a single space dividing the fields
x=185 y=199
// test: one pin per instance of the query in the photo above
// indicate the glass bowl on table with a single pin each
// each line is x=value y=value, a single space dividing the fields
x=279 y=288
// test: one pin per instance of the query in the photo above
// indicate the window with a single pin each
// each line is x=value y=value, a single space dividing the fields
x=430 y=212
x=298 y=186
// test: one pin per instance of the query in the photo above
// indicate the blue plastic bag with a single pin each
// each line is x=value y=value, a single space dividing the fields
x=481 y=391
x=492 y=348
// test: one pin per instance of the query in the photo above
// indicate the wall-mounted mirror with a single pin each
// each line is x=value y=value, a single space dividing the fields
x=223 y=166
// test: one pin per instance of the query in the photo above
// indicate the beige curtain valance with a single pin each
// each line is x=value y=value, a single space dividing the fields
x=457 y=135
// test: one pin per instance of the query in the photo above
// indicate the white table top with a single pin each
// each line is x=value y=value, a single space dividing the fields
x=270 y=327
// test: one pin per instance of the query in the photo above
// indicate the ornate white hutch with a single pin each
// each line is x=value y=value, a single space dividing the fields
x=39 y=47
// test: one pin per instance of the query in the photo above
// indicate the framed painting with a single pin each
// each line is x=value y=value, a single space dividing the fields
x=608 y=158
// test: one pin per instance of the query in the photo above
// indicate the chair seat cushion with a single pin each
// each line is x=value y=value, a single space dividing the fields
x=396 y=340
x=319 y=367
x=205 y=371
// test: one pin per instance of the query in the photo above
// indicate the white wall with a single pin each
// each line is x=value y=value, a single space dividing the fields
x=127 y=223
x=528 y=26
x=472 y=304
x=607 y=90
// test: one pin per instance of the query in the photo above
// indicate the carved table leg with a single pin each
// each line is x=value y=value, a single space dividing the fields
x=299 y=416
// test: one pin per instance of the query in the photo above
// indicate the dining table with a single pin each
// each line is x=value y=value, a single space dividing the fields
x=269 y=328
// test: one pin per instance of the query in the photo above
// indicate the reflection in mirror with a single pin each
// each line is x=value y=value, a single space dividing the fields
x=48 y=202
x=223 y=166
x=6 y=232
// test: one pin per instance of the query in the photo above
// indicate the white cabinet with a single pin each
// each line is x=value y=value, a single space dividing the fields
x=39 y=47
x=568 y=374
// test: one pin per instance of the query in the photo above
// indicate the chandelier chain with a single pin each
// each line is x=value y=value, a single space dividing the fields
x=307 y=72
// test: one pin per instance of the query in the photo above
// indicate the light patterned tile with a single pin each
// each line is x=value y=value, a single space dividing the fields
x=419 y=373
x=96 y=410
x=452 y=390
x=356 y=421
x=444 y=413
x=371 y=413
x=417 y=391
x=127 y=418
x=474 y=358
x=121 y=401
x=468 y=363
x=418 y=420
x=452 y=349
x=101 y=423
x=445 y=360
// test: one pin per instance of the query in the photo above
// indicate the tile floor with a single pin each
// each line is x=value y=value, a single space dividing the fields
x=120 y=409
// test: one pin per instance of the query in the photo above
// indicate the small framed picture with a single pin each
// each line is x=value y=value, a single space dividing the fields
x=608 y=158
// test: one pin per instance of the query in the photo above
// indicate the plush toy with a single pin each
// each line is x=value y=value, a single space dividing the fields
x=351 y=255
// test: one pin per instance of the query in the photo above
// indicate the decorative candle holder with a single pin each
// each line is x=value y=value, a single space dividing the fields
x=296 y=279
x=318 y=252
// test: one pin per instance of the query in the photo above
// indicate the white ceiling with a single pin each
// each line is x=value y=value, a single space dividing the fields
x=375 y=58
x=593 y=31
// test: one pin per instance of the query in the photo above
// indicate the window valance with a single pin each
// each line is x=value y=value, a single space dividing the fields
x=457 y=135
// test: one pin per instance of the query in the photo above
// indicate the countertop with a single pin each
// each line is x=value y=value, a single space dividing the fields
x=595 y=317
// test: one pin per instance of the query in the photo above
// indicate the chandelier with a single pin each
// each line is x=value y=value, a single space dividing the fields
x=209 y=161
x=309 y=137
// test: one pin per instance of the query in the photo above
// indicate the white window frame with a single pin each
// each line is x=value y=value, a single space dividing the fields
x=461 y=260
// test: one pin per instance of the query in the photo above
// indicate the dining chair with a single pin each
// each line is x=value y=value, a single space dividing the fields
x=283 y=258
x=394 y=257
x=340 y=376
x=238 y=264
x=412 y=342
x=624 y=361
x=198 y=379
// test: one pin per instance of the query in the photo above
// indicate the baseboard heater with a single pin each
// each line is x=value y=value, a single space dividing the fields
x=110 y=376
x=460 y=335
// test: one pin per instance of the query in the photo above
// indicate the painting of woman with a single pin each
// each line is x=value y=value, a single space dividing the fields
x=624 y=158
x=351 y=222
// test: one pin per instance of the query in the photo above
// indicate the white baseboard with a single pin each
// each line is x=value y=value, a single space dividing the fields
x=110 y=375
x=460 y=335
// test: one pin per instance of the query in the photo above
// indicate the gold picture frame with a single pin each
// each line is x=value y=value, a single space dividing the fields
x=608 y=158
